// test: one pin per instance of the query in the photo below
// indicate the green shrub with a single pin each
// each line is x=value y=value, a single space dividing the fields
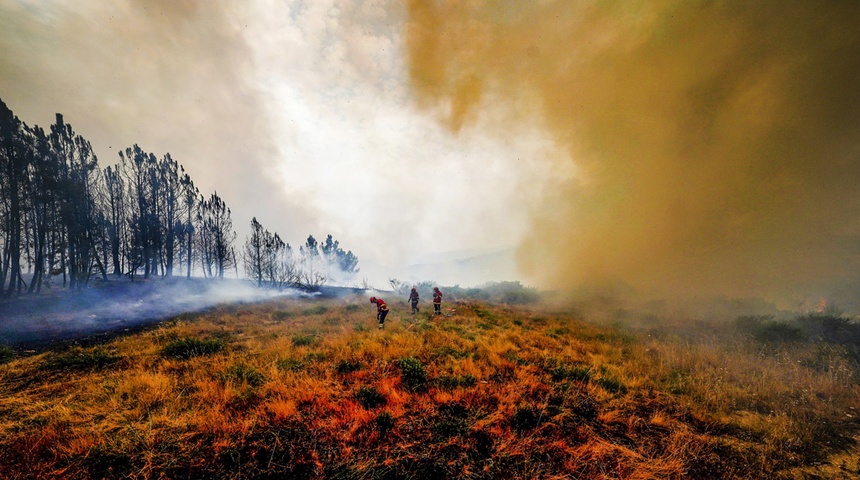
x=448 y=351
x=451 y=421
x=829 y=328
x=245 y=374
x=281 y=315
x=80 y=359
x=611 y=385
x=6 y=354
x=352 y=308
x=348 y=366
x=290 y=364
x=314 y=357
x=384 y=422
x=751 y=323
x=520 y=296
x=316 y=310
x=186 y=348
x=457 y=381
x=525 y=418
x=558 y=332
x=815 y=327
x=576 y=373
x=304 y=340
x=412 y=372
x=369 y=397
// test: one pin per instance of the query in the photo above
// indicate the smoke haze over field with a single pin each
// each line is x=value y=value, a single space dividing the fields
x=678 y=146
x=115 y=306
x=705 y=147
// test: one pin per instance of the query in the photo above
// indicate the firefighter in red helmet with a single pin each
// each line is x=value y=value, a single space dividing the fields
x=437 y=301
x=381 y=310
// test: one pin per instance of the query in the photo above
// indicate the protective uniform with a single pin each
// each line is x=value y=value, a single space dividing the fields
x=413 y=297
x=381 y=310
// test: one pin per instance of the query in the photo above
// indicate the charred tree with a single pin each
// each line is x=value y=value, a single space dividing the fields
x=117 y=228
x=267 y=259
x=79 y=176
x=190 y=203
x=15 y=159
x=138 y=168
x=171 y=188
x=44 y=205
x=253 y=255
x=216 y=237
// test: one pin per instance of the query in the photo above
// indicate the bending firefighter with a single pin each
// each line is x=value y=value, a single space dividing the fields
x=381 y=310
x=413 y=297
x=437 y=301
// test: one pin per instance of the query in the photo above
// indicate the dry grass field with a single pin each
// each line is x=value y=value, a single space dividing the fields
x=294 y=388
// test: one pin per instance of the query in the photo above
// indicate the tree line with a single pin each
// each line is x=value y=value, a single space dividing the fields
x=63 y=216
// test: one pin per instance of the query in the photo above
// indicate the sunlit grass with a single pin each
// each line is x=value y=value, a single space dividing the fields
x=311 y=389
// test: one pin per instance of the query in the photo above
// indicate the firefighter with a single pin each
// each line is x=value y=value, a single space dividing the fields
x=437 y=301
x=413 y=297
x=381 y=310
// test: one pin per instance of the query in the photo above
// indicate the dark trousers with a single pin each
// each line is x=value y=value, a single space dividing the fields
x=437 y=308
x=414 y=306
x=381 y=316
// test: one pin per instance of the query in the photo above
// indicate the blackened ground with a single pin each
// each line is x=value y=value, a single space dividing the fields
x=115 y=306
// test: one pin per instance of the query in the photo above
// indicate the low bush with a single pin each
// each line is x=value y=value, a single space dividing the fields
x=186 y=348
x=80 y=359
x=244 y=374
x=352 y=308
x=369 y=397
x=281 y=315
x=450 y=421
x=304 y=340
x=347 y=366
x=611 y=385
x=384 y=422
x=316 y=310
x=576 y=373
x=6 y=354
x=290 y=364
x=525 y=418
x=456 y=381
x=412 y=372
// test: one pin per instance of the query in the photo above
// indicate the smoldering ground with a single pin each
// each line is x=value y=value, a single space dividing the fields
x=710 y=147
x=117 y=305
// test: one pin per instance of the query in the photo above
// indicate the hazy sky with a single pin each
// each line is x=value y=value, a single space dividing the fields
x=296 y=112
x=676 y=145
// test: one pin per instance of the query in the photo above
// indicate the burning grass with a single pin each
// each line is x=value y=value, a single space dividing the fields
x=311 y=389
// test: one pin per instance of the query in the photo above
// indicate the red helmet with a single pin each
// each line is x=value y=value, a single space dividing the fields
x=372 y=299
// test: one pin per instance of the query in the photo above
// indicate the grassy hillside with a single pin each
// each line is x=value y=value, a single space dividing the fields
x=311 y=389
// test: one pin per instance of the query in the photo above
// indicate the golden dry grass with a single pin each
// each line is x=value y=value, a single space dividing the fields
x=310 y=389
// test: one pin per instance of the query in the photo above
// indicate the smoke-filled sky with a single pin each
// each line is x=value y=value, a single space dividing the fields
x=716 y=143
x=706 y=147
x=297 y=112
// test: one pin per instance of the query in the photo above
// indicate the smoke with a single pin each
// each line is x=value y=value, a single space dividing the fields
x=298 y=113
x=706 y=147
x=120 y=305
x=173 y=77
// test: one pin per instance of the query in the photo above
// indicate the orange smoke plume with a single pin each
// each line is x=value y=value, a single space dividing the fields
x=717 y=143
